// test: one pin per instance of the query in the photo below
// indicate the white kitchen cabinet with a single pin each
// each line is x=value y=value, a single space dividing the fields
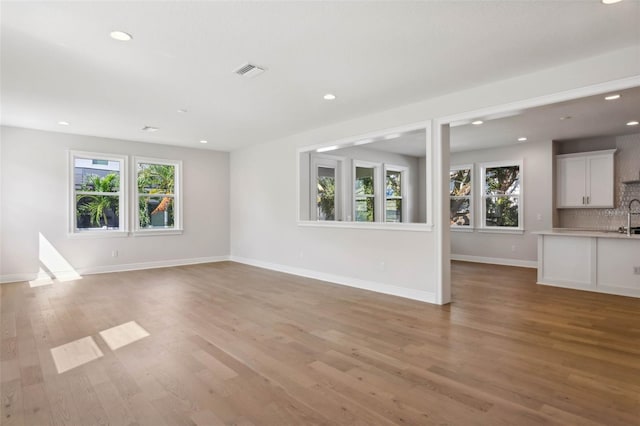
x=605 y=262
x=585 y=180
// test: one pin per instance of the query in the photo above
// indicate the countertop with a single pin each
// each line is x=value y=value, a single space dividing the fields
x=577 y=232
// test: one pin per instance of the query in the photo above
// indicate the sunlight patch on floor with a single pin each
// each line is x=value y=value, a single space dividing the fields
x=41 y=279
x=123 y=334
x=54 y=262
x=76 y=353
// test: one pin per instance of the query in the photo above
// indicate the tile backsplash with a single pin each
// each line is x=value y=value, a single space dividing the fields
x=627 y=167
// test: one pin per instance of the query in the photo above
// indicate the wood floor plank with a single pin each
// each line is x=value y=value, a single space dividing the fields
x=226 y=343
x=12 y=405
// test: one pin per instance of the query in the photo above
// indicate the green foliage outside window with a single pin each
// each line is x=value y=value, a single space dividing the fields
x=393 y=193
x=101 y=210
x=156 y=186
x=364 y=191
x=502 y=190
x=460 y=186
x=326 y=200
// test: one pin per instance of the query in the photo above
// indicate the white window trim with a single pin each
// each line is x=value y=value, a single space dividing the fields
x=429 y=181
x=472 y=218
x=480 y=187
x=123 y=219
x=177 y=196
x=404 y=182
x=378 y=206
x=335 y=163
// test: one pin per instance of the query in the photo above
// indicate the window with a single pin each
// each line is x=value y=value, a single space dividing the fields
x=364 y=192
x=460 y=196
x=325 y=185
x=326 y=199
x=98 y=202
x=395 y=194
x=502 y=195
x=157 y=195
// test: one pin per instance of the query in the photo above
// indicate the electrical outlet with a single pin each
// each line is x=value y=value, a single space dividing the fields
x=381 y=266
x=636 y=270
x=539 y=216
x=514 y=248
x=301 y=254
x=114 y=253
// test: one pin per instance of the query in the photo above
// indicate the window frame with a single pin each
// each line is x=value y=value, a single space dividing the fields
x=177 y=197
x=123 y=197
x=331 y=162
x=404 y=182
x=377 y=203
x=471 y=197
x=482 y=198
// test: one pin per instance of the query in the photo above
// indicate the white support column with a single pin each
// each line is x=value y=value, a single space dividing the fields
x=440 y=209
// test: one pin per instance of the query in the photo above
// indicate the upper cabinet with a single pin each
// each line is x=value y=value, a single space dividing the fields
x=585 y=180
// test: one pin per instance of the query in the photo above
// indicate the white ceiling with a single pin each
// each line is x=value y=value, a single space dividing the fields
x=58 y=62
x=413 y=143
x=592 y=116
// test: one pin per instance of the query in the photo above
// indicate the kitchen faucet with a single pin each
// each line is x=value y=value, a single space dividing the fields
x=629 y=215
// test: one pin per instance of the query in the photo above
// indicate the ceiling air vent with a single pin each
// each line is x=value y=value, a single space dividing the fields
x=249 y=70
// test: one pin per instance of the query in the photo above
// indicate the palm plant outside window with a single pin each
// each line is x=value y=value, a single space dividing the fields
x=97 y=192
x=156 y=195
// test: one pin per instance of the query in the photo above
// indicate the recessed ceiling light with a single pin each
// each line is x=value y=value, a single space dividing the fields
x=329 y=97
x=63 y=123
x=203 y=141
x=477 y=122
x=328 y=148
x=566 y=117
x=612 y=97
x=120 y=36
x=363 y=142
x=183 y=111
x=150 y=129
x=522 y=139
x=632 y=123
x=392 y=136
x=610 y=1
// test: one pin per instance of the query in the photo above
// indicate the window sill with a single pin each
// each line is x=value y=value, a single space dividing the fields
x=97 y=234
x=416 y=227
x=501 y=231
x=155 y=232
x=462 y=229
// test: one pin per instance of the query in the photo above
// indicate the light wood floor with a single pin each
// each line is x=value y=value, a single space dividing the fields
x=232 y=344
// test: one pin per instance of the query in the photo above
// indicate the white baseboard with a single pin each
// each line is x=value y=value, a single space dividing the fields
x=495 y=260
x=150 y=265
x=9 y=278
x=13 y=278
x=408 y=293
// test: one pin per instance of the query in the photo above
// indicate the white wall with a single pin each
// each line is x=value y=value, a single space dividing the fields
x=263 y=188
x=537 y=183
x=34 y=199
